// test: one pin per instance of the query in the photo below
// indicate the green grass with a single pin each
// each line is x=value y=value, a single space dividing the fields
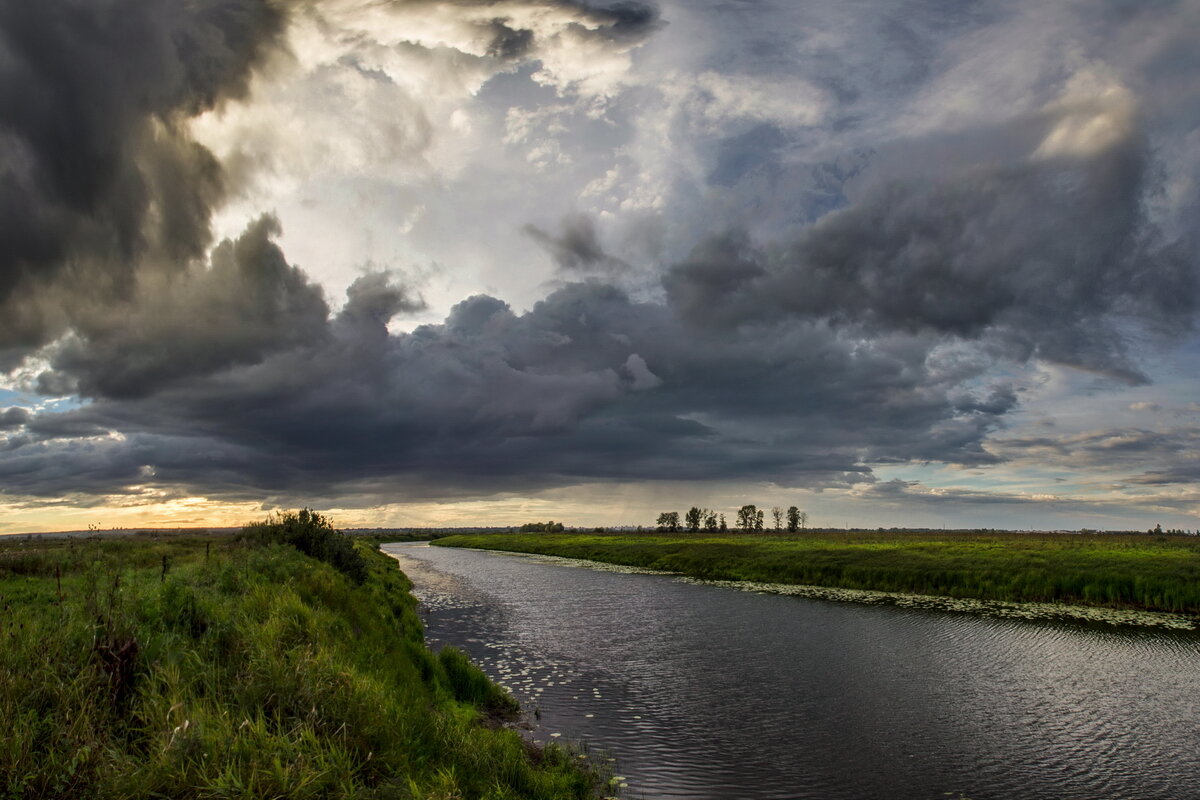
x=1139 y=572
x=246 y=670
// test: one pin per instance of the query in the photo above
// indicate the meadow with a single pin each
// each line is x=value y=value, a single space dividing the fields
x=1153 y=573
x=275 y=663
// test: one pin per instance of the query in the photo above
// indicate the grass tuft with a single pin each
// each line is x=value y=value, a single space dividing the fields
x=468 y=684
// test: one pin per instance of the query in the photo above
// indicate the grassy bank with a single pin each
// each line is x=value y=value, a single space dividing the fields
x=219 y=667
x=1136 y=572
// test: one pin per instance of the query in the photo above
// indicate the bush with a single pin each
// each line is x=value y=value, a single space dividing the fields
x=313 y=535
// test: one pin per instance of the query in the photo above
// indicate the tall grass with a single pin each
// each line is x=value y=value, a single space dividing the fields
x=1142 y=572
x=208 y=667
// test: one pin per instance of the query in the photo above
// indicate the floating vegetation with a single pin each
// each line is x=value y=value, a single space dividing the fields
x=991 y=608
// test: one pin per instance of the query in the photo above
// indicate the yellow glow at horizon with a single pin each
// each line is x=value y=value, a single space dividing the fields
x=585 y=506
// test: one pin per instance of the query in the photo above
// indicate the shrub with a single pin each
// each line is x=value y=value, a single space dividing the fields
x=313 y=535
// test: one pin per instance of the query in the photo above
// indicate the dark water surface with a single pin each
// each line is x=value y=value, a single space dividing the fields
x=705 y=692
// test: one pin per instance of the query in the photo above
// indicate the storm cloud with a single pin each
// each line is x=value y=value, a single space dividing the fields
x=554 y=242
x=248 y=302
x=102 y=181
x=98 y=175
x=589 y=384
x=964 y=251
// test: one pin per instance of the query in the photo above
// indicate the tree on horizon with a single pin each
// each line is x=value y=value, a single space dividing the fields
x=748 y=516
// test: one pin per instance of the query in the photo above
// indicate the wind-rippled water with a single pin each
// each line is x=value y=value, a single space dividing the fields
x=706 y=692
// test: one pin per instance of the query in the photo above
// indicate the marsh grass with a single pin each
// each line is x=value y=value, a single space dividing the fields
x=241 y=670
x=1127 y=572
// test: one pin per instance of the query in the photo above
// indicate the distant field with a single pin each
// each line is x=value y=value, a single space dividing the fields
x=1154 y=573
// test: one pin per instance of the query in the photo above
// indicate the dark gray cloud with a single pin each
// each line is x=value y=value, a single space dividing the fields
x=510 y=25
x=1182 y=473
x=588 y=385
x=860 y=324
x=719 y=282
x=1045 y=254
x=627 y=21
x=97 y=173
x=981 y=504
x=13 y=417
x=1138 y=456
x=507 y=43
x=247 y=303
x=227 y=371
x=577 y=247
x=101 y=181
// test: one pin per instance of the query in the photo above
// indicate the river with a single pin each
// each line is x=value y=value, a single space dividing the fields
x=698 y=691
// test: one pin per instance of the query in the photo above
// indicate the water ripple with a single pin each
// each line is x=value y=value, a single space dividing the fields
x=702 y=692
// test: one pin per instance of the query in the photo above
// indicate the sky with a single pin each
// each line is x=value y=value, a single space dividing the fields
x=481 y=262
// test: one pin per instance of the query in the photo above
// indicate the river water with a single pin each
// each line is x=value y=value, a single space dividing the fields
x=698 y=691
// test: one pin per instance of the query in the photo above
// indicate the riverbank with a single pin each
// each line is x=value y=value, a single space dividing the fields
x=1125 y=573
x=231 y=666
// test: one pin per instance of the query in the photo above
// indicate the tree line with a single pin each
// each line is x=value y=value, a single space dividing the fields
x=749 y=518
x=542 y=527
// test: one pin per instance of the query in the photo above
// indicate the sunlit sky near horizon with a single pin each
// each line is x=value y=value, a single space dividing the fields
x=911 y=263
